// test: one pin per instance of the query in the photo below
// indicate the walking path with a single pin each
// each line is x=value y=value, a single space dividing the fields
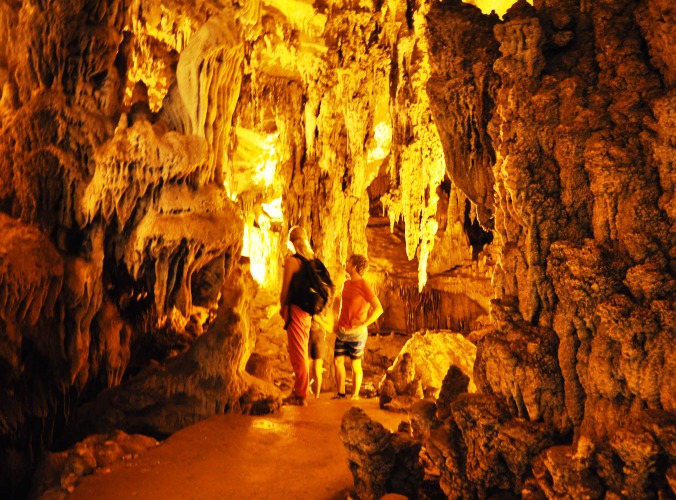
x=293 y=454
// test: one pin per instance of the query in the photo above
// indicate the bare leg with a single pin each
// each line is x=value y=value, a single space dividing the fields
x=358 y=375
x=339 y=365
x=316 y=373
x=311 y=376
x=317 y=368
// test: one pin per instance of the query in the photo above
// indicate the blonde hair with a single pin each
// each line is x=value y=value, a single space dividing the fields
x=299 y=240
x=360 y=263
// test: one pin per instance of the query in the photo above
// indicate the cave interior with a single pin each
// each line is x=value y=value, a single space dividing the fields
x=506 y=167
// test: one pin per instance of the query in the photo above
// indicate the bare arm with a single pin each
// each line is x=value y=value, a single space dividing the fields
x=375 y=311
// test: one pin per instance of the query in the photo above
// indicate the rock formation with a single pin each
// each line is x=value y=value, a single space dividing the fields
x=510 y=177
x=380 y=461
x=422 y=367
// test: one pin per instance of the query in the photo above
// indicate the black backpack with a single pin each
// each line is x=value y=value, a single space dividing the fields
x=311 y=286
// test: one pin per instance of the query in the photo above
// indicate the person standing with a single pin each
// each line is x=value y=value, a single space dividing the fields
x=359 y=307
x=297 y=322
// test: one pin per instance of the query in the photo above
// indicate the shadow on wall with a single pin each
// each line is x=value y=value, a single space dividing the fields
x=477 y=235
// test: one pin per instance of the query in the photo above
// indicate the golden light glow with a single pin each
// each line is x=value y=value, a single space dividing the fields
x=421 y=164
x=269 y=425
x=267 y=165
x=145 y=68
x=260 y=243
x=258 y=246
x=158 y=26
x=274 y=209
x=440 y=350
x=382 y=133
x=302 y=15
x=257 y=151
x=499 y=6
x=164 y=25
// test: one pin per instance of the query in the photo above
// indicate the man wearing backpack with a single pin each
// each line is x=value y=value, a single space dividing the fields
x=302 y=279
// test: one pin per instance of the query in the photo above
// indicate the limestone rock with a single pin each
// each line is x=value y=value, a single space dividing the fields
x=537 y=395
x=519 y=442
x=441 y=350
x=370 y=452
x=218 y=356
x=640 y=453
x=32 y=274
x=447 y=451
x=512 y=177
x=461 y=115
x=58 y=473
x=407 y=474
x=455 y=383
x=381 y=462
x=559 y=475
x=479 y=419
x=409 y=378
x=260 y=366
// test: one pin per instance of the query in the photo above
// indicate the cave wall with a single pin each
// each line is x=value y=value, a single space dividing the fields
x=581 y=219
x=118 y=237
x=583 y=276
x=523 y=163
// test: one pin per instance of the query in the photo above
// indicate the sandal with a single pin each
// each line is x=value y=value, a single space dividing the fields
x=339 y=396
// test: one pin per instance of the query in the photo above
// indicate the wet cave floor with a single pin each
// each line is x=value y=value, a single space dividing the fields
x=294 y=453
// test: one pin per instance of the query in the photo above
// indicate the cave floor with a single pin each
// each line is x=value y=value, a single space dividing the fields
x=295 y=453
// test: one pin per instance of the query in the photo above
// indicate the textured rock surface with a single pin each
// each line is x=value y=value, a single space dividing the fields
x=381 y=461
x=513 y=176
x=127 y=236
x=420 y=368
x=58 y=473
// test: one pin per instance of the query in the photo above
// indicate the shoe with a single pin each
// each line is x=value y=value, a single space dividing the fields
x=339 y=396
x=294 y=400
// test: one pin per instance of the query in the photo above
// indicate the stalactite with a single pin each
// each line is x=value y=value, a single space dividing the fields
x=417 y=304
x=132 y=162
x=32 y=274
x=117 y=138
x=417 y=165
x=209 y=76
x=452 y=250
x=175 y=254
x=462 y=90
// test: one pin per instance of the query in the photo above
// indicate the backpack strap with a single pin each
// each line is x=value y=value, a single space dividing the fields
x=300 y=257
x=288 y=316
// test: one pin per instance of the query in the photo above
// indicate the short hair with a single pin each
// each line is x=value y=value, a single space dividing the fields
x=360 y=263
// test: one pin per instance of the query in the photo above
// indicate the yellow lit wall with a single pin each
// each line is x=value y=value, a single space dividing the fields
x=499 y=6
